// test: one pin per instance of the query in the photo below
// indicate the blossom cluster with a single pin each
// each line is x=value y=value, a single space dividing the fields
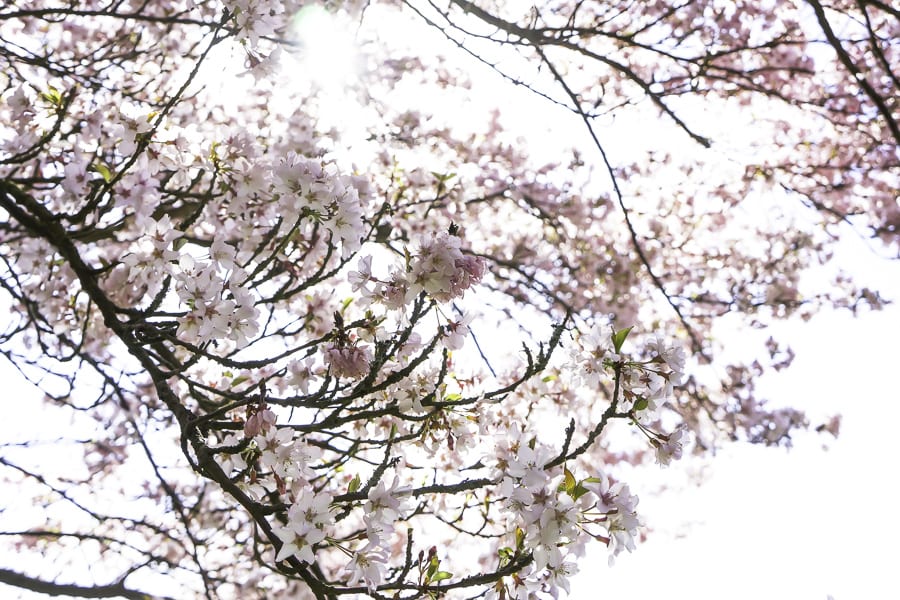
x=556 y=515
x=594 y=353
x=309 y=190
x=439 y=268
x=217 y=310
x=545 y=509
x=645 y=384
x=307 y=520
x=277 y=461
x=442 y=270
x=310 y=525
x=214 y=271
x=347 y=359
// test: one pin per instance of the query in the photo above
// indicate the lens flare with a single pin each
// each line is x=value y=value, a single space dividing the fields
x=326 y=53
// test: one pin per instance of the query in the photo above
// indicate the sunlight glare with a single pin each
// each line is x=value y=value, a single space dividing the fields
x=326 y=55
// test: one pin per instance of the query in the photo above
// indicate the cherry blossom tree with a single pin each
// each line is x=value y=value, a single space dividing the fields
x=301 y=343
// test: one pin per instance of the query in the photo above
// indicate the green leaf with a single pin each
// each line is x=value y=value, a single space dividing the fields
x=520 y=537
x=354 y=484
x=52 y=95
x=568 y=481
x=641 y=404
x=578 y=492
x=433 y=565
x=441 y=576
x=239 y=380
x=618 y=338
x=103 y=170
x=443 y=177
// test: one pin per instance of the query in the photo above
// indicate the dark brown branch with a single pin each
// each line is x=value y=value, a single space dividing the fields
x=854 y=70
x=113 y=590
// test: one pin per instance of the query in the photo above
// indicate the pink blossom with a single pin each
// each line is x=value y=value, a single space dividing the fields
x=351 y=361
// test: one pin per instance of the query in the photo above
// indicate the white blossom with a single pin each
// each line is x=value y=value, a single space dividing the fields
x=671 y=445
x=307 y=520
x=368 y=565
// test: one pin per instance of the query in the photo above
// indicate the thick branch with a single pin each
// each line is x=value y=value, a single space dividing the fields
x=858 y=75
x=113 y=590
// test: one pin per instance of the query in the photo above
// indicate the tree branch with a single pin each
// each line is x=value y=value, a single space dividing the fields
x=113 y=590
